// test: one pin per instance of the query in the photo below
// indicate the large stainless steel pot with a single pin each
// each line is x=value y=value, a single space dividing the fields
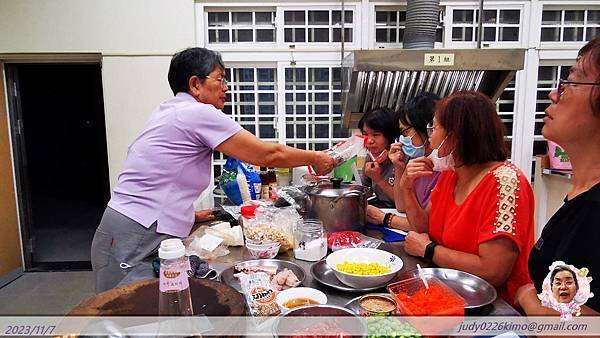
x=339 y=206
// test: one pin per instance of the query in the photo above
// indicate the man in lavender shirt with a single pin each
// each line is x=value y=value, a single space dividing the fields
x=169 y=164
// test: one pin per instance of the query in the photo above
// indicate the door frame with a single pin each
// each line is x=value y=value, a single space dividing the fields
x=17 y=134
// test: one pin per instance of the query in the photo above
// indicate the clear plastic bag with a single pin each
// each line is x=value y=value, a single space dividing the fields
x=347 y=149
x=351 y=239
x=294 y=196
x=273 y=224
x=193 y=245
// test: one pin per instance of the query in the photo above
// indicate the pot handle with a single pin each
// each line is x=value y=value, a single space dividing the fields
x=317 y=182
x=350 y=193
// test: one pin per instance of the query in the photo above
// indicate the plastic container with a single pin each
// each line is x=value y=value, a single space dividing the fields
x=558 y=157
x=414 y=299
x=265 y=250
x=417 y=303
x=248 y=212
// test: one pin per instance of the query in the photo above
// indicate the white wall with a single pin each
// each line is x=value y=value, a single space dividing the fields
x=107 y=26
x=133 y=87
x=135 y=37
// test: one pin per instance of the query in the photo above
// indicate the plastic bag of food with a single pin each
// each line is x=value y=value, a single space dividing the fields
x=260 y=296
x=204 y=244
x=240 y=182
x=347 y=149
x=273 y=224
x=232 y=236
x=351 y=239
x=294 y=196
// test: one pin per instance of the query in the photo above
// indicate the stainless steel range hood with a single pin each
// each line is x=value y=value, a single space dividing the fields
x=387 y=78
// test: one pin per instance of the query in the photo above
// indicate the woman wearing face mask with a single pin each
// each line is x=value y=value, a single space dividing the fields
x=413 y=142
x=381 y=129
x=480 y=216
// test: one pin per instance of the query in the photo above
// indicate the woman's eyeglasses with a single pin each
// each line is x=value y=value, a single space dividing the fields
x=223 y=80
x=404 y=130
x=560 y=88
x=430 y=129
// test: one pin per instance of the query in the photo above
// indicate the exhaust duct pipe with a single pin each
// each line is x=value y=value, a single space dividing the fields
x=422 y=18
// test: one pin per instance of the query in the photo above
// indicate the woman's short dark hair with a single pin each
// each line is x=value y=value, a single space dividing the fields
x=418 y=112
x=382 y=120
x=471 y=119
x=560 y=268
x=189 y=62
x=590 y=53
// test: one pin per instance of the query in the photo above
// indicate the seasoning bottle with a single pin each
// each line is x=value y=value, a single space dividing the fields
x=272 y=182
x=283 y=176
x=264 y=181
x=174 y=298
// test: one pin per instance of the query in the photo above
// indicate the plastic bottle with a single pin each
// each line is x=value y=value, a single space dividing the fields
x=272 y=182
x=264 y=181
x=283 y=177
x=174 y=297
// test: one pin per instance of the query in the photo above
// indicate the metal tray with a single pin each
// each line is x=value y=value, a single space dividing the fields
x=228 y=278
x=475 y=290
x=353 y=306
x=325 y=275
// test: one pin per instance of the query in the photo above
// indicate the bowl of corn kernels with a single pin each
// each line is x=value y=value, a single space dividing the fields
x=363 y=268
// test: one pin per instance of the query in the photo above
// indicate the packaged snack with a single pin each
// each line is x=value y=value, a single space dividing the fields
x=260 y=296
x=350 y=239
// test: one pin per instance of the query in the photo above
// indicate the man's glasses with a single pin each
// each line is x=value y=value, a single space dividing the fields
x=223 y=80
x=560 y=88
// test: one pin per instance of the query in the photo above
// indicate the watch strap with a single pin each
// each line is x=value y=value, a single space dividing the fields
x=429 y=250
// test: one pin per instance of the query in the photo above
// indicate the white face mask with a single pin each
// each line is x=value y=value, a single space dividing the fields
x=441 y=163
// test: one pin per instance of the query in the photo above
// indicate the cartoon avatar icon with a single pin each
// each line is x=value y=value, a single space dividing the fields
x=565 y=289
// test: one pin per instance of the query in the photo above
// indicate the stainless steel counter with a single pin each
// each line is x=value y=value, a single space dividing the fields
x=336 y=297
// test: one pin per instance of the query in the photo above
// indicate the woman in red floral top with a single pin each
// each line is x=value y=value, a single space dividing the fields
x=480 y=217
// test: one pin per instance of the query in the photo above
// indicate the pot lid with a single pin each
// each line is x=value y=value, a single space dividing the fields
x=335 y=188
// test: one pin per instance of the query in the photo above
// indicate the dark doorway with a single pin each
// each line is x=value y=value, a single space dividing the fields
x=59 y=142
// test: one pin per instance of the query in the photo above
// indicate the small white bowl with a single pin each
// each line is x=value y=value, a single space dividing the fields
x=264 y=250
x=300 y=292
x=364 y=255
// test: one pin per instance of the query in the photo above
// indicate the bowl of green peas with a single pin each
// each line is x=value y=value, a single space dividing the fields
x=389 y=327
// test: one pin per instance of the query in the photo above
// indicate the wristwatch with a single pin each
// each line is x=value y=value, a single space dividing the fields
x=429 y=250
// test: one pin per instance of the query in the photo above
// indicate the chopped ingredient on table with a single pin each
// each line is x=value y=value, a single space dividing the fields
x=363 y=268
